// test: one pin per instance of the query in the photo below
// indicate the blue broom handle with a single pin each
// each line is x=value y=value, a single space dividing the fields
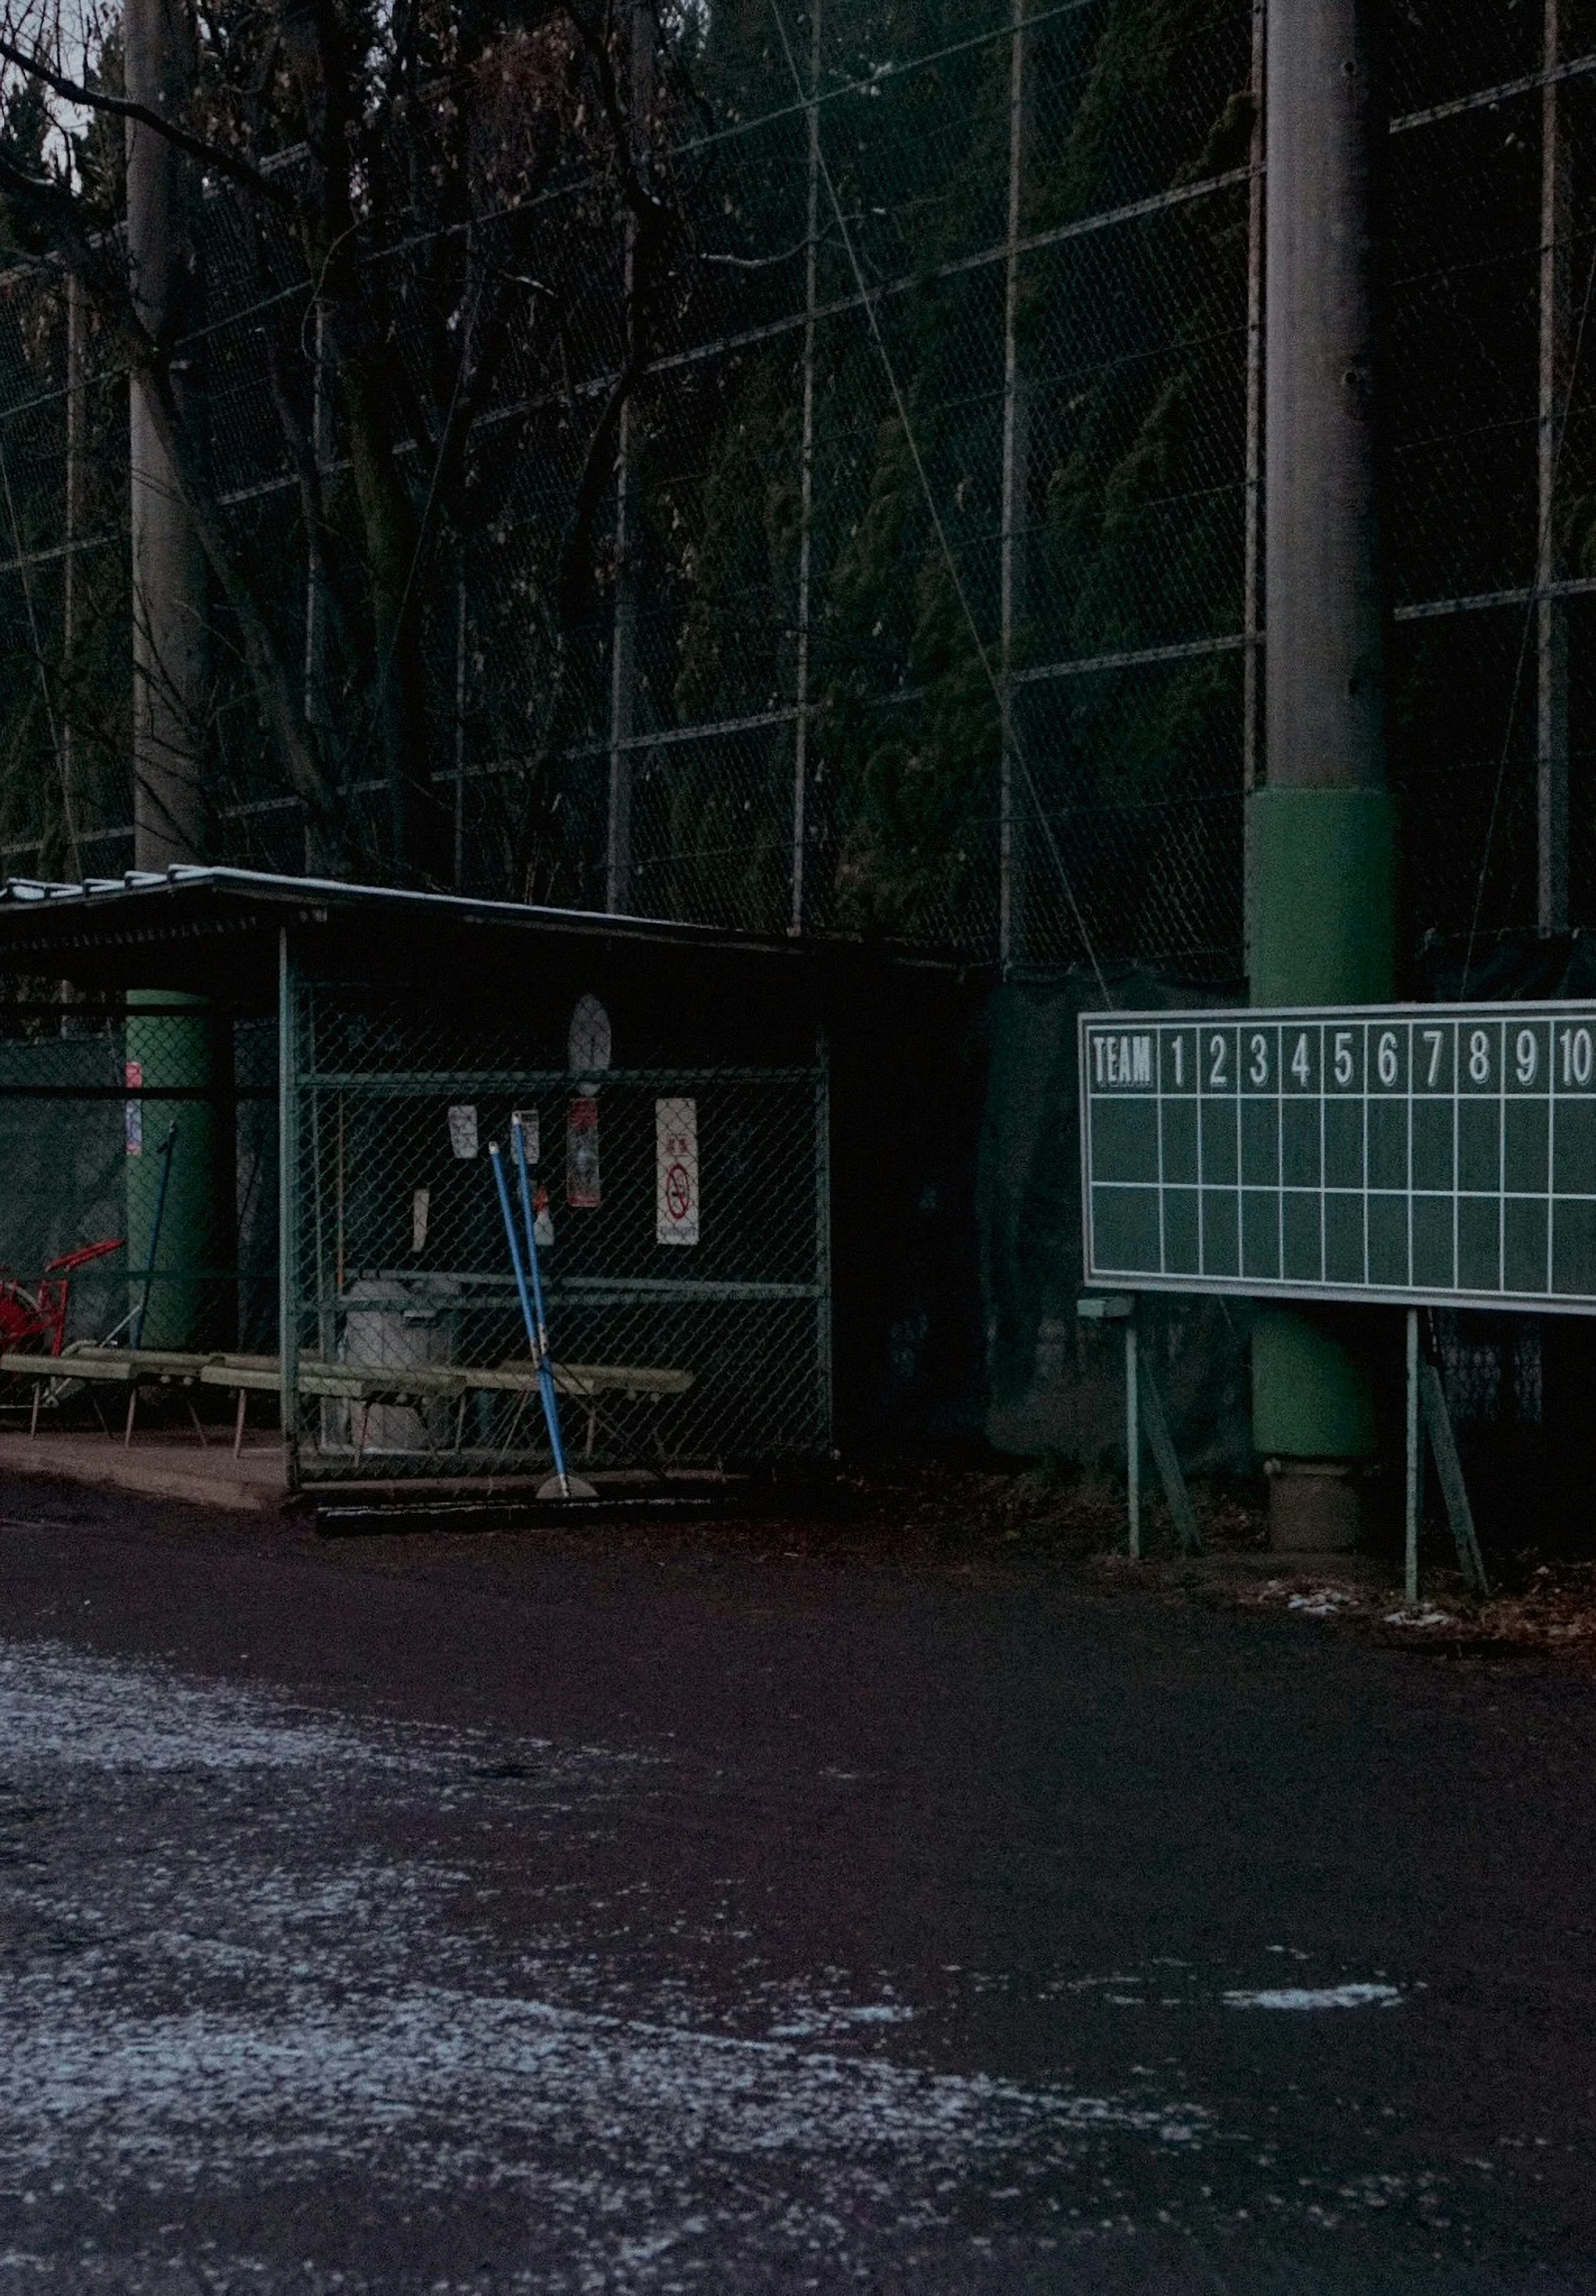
x=515 y=1249
x=546 y=1377
x=518 y=1142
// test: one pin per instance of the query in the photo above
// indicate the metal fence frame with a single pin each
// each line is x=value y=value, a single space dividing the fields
x=728 y=1425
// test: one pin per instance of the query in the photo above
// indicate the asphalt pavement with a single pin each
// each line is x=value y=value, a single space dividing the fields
x=696 y=1911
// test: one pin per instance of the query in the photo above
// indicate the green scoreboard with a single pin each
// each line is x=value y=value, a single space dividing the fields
x=1410 y=1152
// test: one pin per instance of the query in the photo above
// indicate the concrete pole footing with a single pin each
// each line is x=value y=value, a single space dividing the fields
x=1316 y=1506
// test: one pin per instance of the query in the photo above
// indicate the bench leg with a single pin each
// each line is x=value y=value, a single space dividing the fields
x=237 y=1425
x=38 y=1397
x=198 y=1426
x=133 y=1405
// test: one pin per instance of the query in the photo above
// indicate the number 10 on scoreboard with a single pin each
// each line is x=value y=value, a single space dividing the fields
x=1405 y=1152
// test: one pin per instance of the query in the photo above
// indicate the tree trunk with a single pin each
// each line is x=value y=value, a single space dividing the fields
x=394 y=543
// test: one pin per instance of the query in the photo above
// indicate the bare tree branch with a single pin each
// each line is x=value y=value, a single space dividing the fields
x=192 y=146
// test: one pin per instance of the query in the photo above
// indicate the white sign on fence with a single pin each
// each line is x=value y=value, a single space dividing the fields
x=677 y=1171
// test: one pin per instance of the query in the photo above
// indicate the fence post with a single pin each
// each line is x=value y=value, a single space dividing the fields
x=806 y=490
x=460 y=729
x=318 y=712
x=287 y=1212
x=1016 y=442
x=69 y=565
x=1551 y=613
x=1253 y=482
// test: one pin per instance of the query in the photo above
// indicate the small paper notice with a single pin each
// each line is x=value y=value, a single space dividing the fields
x=463 y=1128
x=420 y=1206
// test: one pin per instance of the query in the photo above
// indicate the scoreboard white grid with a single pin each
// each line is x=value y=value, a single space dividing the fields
x=1441 y=1153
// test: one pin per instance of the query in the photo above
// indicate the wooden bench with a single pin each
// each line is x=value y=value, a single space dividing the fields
x=359 y=1385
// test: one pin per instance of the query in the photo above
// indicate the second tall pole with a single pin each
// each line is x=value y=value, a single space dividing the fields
x=1322 y=839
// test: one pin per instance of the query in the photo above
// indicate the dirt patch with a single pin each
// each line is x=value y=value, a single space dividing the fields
x=1552 y=1612
x=977 y=1520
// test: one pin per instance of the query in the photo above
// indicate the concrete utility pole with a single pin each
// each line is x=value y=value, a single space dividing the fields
x=1551 y=613
x=172 y=1046
x=169 y=576
x=1011 y=568
x=1322 y=841
x=618 y=884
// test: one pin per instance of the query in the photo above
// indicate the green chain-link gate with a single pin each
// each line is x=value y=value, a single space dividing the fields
x=683 y=1238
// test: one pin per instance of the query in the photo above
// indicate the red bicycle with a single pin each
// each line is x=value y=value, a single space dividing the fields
x=41 y=1312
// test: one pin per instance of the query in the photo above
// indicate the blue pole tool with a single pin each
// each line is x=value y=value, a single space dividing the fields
x=545 y=1382
x=497 y=1161
x=546 y=1376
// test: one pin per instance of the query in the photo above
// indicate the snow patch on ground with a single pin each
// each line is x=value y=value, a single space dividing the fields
x=1319 y=1602
x=1363 y=1996
x=277 y=1968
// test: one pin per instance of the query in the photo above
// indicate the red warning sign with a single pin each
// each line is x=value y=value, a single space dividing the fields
x=582 y=1190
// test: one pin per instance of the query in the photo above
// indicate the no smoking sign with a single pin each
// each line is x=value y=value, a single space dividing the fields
x=677 y=1171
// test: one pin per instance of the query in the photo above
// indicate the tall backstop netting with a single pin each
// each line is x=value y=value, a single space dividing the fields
x=925 y=597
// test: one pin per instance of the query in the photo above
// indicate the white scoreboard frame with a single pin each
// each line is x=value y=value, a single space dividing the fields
x=1476 y=1058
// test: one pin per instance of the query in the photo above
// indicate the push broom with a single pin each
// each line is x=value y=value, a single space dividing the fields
x=560 y=1483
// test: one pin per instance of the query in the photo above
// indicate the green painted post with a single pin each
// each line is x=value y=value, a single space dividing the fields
x=1323 y=907
x=1323 y=895
x=1324 y=870
x=170 y=1047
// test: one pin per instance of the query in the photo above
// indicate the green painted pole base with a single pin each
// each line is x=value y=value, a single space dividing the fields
x=1310 y=1396
x=1322 y=868
x=173 y=1047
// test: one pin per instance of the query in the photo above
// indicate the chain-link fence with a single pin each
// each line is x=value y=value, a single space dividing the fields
x=926 y=595
x=681 y=1233
x=681 y=1219
x=138 y=1138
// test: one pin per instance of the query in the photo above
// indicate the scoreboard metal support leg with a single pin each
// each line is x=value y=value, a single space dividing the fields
x=1427 y=1413
x=1133 y=1437
x=1449 y=1474
x=1176 y=1495
x=1144 y=1414
x=1415 y=1463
